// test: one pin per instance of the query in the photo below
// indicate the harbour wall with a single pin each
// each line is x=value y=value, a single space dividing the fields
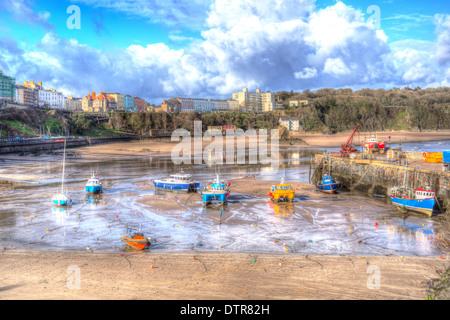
x=36 y=145
x=376 y=177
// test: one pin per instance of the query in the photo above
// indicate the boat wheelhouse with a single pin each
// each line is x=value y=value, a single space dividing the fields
x=281 y=192
x=216 y=191
x=94 y=185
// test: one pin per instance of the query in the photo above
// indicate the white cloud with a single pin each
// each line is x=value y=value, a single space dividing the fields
x=335 y=67
x=272 y=45
x=307 y=73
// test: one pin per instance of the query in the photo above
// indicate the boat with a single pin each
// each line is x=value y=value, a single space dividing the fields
x=328 y=184
x=94 y=185
x=216 y=191
x=177 y=183
x=416 y=200
x=371 y=144
x=61 y=199
x=281 y=192
x=136 y=239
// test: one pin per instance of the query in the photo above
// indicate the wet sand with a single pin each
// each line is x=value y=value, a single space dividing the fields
x=211 y=276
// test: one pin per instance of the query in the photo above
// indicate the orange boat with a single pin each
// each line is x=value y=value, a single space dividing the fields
x=136 y=239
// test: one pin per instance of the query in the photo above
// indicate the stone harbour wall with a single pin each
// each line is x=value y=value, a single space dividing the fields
x=375 y=178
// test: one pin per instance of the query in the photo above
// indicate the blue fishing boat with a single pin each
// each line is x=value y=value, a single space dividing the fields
x=328 y=184
x=94 y=185
x=216 y=191
x=417 y=200
x=177 y=183
x=61 y=199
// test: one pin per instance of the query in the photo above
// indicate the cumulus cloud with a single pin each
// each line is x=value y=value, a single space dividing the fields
x=443 y=30
x=271 y=45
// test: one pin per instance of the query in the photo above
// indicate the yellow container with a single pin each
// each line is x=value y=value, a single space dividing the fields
x=434 y=157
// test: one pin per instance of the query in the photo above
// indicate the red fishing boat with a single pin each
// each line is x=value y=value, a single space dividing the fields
x=372 y=144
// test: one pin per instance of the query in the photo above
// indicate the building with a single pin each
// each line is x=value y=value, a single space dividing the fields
x=124 y=102
x=102 y=102
x=256 y=101
x=173 y=105
x=73 y=104
x=290 y=123
x=26 y=96
x=7 y=87
x=48 y=98
x=140 y=105
x=299 y=103
x=200 y=105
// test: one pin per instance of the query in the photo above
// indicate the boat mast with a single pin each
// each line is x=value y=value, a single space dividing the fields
x=64 y=167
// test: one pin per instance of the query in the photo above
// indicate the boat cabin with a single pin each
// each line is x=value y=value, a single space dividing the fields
x=182 y=177
x=281 y=187
x=424 y=194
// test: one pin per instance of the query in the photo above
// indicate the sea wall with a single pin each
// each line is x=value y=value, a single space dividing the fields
x=376 y=177
x=35 y=145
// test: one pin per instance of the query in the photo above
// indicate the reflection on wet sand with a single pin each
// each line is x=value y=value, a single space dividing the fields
x=313 y=223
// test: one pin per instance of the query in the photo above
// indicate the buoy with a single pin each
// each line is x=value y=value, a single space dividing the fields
x=276 y=241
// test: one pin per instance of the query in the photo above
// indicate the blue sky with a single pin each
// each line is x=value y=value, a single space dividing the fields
x=163 y=48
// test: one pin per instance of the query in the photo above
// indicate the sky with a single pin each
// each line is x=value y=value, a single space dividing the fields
x=210 y=48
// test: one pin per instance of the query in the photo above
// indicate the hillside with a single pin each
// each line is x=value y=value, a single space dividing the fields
x=331 y=111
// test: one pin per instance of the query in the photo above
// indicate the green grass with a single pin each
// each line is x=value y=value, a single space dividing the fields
x=22 y=128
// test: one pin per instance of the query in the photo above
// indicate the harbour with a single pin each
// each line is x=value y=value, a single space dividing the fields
x=349 y=222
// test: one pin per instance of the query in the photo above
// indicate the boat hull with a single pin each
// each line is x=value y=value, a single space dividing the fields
x=424 y=206
x=177 y=187
x=210 y=197
x=93 y=189
x=62 y=203
x=328 y=188
x=136 y=243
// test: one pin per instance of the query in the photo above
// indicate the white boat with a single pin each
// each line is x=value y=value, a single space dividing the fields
x=93 y=185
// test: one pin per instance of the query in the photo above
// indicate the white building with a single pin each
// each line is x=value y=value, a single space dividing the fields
x=51 y=98
x=290 y=123
x=200 y=105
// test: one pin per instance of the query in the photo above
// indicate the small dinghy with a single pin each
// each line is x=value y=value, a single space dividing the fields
x=136 y=239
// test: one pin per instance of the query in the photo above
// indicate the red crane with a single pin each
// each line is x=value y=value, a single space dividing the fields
x=347 y=149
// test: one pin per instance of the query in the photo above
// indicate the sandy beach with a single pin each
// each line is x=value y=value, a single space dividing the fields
x=163 y=147
x=396 y=137
x=211 y=276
